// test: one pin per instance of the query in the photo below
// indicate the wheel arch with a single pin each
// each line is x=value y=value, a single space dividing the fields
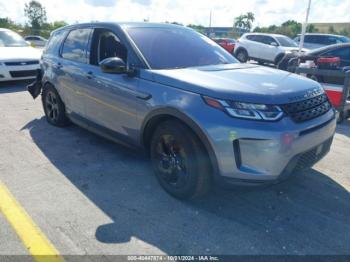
x=157 y=116
x=279 y=58
x=240 y=48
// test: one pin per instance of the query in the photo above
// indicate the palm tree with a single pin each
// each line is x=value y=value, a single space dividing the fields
x=245 y=21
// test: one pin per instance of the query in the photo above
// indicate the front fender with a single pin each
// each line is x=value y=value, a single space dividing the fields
x=160 y=114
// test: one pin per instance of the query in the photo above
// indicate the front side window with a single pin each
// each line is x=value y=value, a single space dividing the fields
x=268 y=40
x=75 y=47
x=106 y=44
x=169 y=48
x=11 y=39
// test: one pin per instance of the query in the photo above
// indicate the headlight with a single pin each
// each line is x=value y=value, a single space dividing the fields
x=246 y=110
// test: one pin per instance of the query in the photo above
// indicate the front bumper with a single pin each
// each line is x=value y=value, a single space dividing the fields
x=251 y=152
x=19 y=72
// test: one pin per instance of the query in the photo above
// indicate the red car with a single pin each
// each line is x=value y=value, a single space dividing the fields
x=227 y=43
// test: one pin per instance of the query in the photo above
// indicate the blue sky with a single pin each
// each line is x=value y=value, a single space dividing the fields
x=184 y=11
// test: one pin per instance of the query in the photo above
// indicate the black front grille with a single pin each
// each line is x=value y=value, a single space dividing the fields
x=309 y=158
x=308 y=109
x=22 y=63
x=23 y=73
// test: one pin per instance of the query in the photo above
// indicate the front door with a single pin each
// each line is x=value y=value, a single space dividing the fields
x=112 y=99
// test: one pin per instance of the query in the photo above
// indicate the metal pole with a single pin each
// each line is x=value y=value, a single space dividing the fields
x=210 y=19
x=304 y=26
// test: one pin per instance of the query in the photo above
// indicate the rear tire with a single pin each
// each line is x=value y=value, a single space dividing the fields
x=54 y=107
x=180 y=161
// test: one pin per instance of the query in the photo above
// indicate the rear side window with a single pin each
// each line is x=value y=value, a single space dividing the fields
x=75 y=47
x=259 y=38
x=314 y=39
x=54 y=43
x=251 y=37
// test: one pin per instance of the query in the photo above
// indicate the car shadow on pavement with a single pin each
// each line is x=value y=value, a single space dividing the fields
x=308 y=214
x=14 y=86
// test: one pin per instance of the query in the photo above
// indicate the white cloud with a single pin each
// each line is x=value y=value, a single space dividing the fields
x=196 y=11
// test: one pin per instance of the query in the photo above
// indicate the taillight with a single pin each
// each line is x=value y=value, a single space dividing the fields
x=328 y=60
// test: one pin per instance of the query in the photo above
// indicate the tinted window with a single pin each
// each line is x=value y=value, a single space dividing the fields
x=166 y=48
x=106 y=44
x=314 y=39
x=344 y=39
x=232 y=41
x=330 y=40
x=266 y=39
x=286 y=41
x=251 y=37
x=54 y=42
x=343 y=53
x=75 y=47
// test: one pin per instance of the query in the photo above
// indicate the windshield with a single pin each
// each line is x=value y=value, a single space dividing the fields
x=169 y=48
x=286 y=41
x=11 y=39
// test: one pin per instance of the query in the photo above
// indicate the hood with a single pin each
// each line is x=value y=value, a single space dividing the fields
x=19 y=53
x=240 y=82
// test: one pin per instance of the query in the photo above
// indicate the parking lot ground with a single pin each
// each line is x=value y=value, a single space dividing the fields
x=90 y=196
x=10 y=242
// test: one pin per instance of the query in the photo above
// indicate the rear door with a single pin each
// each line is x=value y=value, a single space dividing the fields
x=252 y=45
x=71 y=69
x=270 y=51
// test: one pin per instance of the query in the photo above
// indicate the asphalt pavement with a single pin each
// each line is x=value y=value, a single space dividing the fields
x=91 y=196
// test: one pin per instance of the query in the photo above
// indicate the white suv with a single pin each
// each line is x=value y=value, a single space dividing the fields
x=269 y=48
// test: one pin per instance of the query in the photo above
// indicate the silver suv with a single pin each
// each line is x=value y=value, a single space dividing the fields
x=202 y=116
x=264 y=48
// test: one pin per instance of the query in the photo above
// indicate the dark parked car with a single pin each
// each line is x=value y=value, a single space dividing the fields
x=334 y=57
x=227 y=43
x=200 y=114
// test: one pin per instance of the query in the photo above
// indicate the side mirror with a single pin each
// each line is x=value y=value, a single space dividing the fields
x=273 y=44
x=113 y=65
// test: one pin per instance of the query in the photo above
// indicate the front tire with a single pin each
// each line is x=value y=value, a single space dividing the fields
x=180 y=161
x=54 y=107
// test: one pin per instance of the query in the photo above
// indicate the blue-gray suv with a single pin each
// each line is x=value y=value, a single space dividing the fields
x=202 y=116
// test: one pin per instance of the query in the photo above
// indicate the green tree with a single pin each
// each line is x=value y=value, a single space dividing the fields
x=245 y=21
x=311 y=29
x=331 y=30
x=198 y=28
x=36 y=15
x=345 y=31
